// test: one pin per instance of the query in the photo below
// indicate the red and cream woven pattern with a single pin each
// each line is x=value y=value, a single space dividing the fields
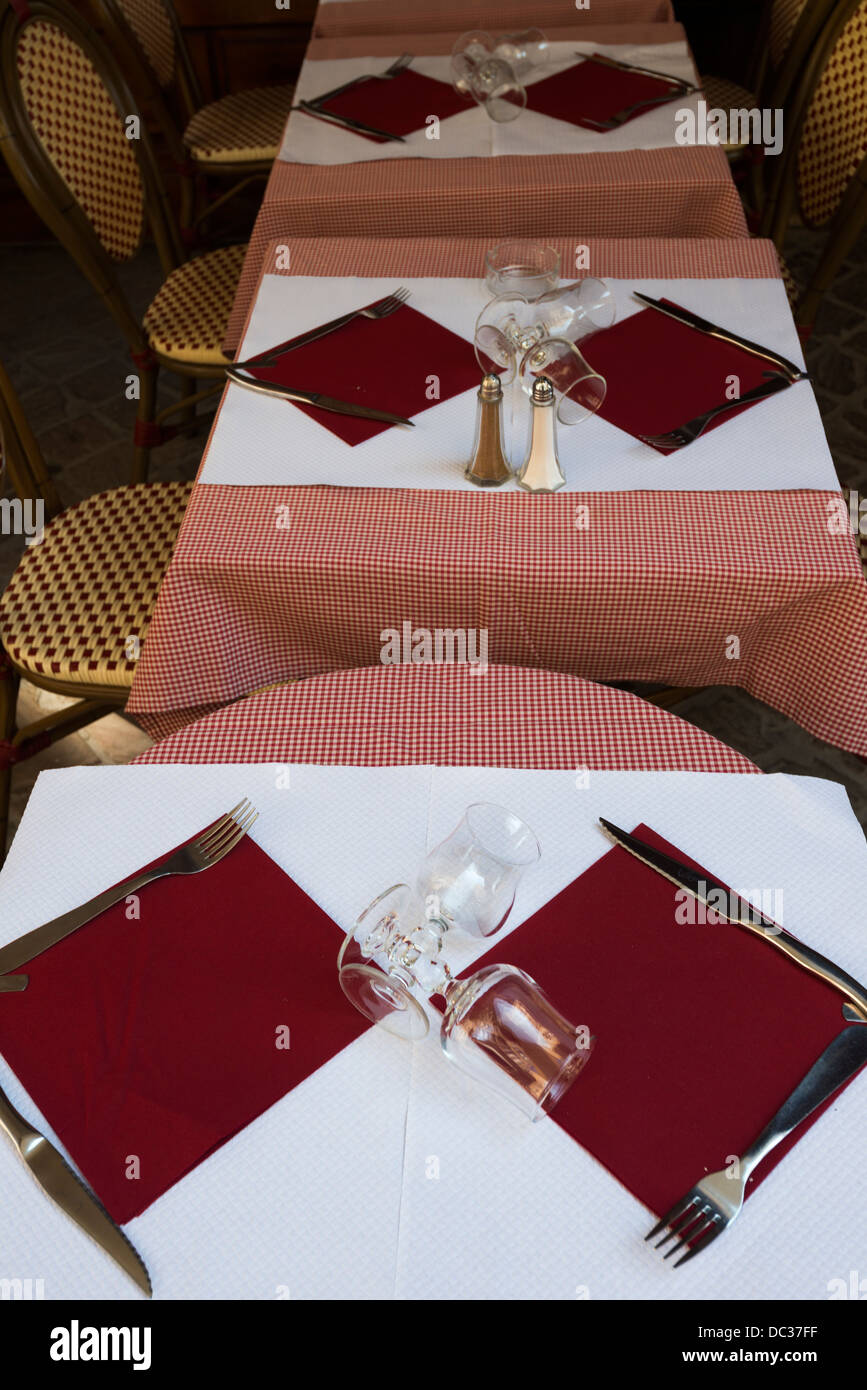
x=506 y=717
x=244 y=127
x=652 y=590
x=834 y=140
x=452 y=16
x=78 y=126
x=78 y=598
x=152 y=26
x=187 y=318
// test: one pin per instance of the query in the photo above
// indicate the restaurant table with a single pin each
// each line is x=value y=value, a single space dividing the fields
x=646 y=575
x=335 y=18
x=504 y=716
x=332 y=1192
x=606 y=190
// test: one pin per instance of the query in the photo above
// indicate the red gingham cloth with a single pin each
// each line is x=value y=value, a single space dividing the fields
x=652 y=589
x=506 y=717
x=389 y=16
x=678 y=192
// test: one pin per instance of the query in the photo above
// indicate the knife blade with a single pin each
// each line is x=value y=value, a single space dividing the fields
x=712 y=330
x=701 y=886
x=607 y=62
x=274 y=388
x=66 y=1189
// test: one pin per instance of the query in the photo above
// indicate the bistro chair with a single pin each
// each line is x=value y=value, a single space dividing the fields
x=236 y=137
x=788 y=31
x=75 y=613
x=822 y=173
x=78 y=148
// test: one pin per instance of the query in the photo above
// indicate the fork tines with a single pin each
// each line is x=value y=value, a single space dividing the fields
x=383 y=307
x=227 y=831
x=693 y=1222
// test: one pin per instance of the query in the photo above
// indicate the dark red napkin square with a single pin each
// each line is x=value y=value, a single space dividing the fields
x=594 y=91
x=383 y=363
x=661 y=373
x=399 y=106
x=158 y=1039
x=701 y=1031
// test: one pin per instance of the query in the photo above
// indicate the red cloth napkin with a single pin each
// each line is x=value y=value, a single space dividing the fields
x=701 y=1031
x=660 y=373
x=594 y=91
x=400 y=106
x=157 y=1039
x=383 y=363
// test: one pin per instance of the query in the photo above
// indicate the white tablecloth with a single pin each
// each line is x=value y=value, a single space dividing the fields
x=326 y=1195
x=471 y=133
x=777 y=444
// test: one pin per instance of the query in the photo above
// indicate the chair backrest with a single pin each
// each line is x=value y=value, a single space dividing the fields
x=149 y=30
x=793 y=28
x=833 y=136
x=826 y=135
x=20 y=455
x=79 y=149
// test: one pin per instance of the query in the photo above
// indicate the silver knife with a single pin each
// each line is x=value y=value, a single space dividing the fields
x=316 y=398
x=607 y=62
x=712 y=330
x=62 y=1185
x=701 y=886
x=347 y=122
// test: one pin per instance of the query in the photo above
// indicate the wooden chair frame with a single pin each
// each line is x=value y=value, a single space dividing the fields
x=187 y=95
x=58 y=208
x=845 y=224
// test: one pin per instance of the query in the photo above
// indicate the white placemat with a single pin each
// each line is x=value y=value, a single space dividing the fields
x=471 y=134
x=257 y=441
x=330 y=1194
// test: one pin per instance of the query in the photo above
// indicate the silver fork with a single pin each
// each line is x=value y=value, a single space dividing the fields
x=380 y=310
x=393 y=70
x=212 y=845
x=687 y=434
x=712 y=1205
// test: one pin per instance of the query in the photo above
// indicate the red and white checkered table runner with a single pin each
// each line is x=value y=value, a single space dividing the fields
x=678 y=192
x=504 y=717
x=652 y=588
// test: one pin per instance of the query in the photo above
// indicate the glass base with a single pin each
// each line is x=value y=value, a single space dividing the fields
x=384 y=1000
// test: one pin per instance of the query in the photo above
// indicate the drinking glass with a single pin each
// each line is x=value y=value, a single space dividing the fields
x=523 y=51
x=579 y=389
x=510 y=325
x=498 y=1025
x=491 y=82
x=501 y=1029
x=529 y=268
x=470 y=880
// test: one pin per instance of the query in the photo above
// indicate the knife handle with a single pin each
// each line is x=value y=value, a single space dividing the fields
x=15 y=1125
x=807 y=957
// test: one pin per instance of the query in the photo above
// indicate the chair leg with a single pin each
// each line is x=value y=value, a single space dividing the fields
x=8 y=705
x=187 y=413
x=145 y=432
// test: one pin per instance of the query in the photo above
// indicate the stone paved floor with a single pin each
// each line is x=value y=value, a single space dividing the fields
x=68 y=363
